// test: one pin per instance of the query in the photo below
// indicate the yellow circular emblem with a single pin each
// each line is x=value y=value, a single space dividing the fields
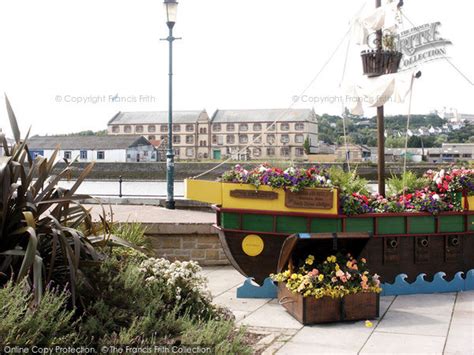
x=252 y=245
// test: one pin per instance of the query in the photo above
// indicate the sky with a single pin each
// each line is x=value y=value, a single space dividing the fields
x=70 y=65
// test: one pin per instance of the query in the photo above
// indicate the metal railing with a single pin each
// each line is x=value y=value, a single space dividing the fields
x=120 y=193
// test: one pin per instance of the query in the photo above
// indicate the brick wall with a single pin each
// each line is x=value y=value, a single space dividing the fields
x=184 y=242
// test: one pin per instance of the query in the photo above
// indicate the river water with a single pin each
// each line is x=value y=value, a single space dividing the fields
x=138 y=189
x=129 y=188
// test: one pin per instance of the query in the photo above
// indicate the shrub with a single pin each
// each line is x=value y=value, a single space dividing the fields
x=49 y=323
x=39 y=239
x=128 y=304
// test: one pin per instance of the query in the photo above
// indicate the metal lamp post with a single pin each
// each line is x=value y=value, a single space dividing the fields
x=171 y=8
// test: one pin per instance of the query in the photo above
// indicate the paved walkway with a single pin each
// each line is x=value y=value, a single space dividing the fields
x=414 y=324
x=153 y=214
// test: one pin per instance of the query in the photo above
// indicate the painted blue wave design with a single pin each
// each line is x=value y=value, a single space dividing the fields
x=250 y=290
x=438 y=285
x=399 y=287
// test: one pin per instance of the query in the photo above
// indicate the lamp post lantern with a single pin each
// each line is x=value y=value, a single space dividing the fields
x=171 y=9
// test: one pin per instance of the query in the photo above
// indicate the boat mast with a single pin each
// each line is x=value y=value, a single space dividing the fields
x=380 y=124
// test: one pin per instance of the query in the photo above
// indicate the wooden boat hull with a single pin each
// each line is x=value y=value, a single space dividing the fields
x=406 y=243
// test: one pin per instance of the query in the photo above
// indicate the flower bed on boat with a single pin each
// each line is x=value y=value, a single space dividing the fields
x=434 y=192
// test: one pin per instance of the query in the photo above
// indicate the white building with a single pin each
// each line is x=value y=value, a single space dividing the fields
x=108 y=149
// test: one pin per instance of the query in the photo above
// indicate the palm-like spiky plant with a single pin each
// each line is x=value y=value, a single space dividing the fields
x=39 y=221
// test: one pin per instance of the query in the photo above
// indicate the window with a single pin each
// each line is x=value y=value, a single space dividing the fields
x=285 y=151
x=244 y=127
x=163 y=128
x=189 y=128
x=299 y=126
x=214 y=139
x=230 y=139
x=189 y=152
x=299 y=138
x=271 y=138
x=243 y=139
x=151 y=138
x=176 y=153
x=139 y=129
x=257 y=152
x=270 y=127
x=67 y=154
x=84 y=154
x=115 y=129
x=216 y=127
x=230 y=127
x=257 y=138
x=176 y=128
x=270 y=152
x=285 y=126
x=257 y=127
x=285 y=138
x=152 y=129
x=127 y=129
x=100 y=155
x=299 y=152
x=176 y=139
x=202 y=143
x=203 y=130
x=189 y=139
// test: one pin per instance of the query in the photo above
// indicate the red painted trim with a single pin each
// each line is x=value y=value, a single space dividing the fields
x=375 y=236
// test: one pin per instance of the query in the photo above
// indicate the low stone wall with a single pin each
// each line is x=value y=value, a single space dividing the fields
x=184 y=242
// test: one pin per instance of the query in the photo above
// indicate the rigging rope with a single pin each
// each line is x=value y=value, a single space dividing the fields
x=344 y=107
x=279 y=118
x=406 y=134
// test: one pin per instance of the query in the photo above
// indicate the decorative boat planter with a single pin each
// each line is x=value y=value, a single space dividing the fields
x=253 y=225
x=309 y=310
x=376 y=63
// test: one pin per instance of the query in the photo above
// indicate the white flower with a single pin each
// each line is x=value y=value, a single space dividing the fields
x=441 y=173
x=436 y=197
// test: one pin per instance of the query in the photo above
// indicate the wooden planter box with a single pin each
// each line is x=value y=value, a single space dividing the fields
x=309 y=310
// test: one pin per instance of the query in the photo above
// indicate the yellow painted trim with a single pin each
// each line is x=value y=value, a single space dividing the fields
x=267 y=205
x=470 y=202
x=203 y=191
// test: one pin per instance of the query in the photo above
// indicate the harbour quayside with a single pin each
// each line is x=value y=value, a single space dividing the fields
x=413 y=237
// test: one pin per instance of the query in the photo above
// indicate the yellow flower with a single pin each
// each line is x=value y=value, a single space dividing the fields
x=368 y=324
x=309 y=261
x=294 y=276
x=337 y=267
x=320 y=277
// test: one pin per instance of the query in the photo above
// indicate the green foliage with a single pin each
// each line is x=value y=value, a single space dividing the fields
x=221 y=334
x=39 y=239
x=307 y=145
x=47 y=324
x=132 y=232
x=407 y=182
x=127 y=304
x=348 y=182
x=89 y=133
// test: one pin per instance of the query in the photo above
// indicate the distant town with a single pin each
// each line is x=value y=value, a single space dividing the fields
x=274 y=134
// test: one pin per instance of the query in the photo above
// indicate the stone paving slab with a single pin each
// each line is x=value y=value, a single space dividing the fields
x=411 y=324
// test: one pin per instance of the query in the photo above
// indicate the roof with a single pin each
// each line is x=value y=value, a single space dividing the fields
x=86 y=142
x=223 y=116
x=155 y=117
